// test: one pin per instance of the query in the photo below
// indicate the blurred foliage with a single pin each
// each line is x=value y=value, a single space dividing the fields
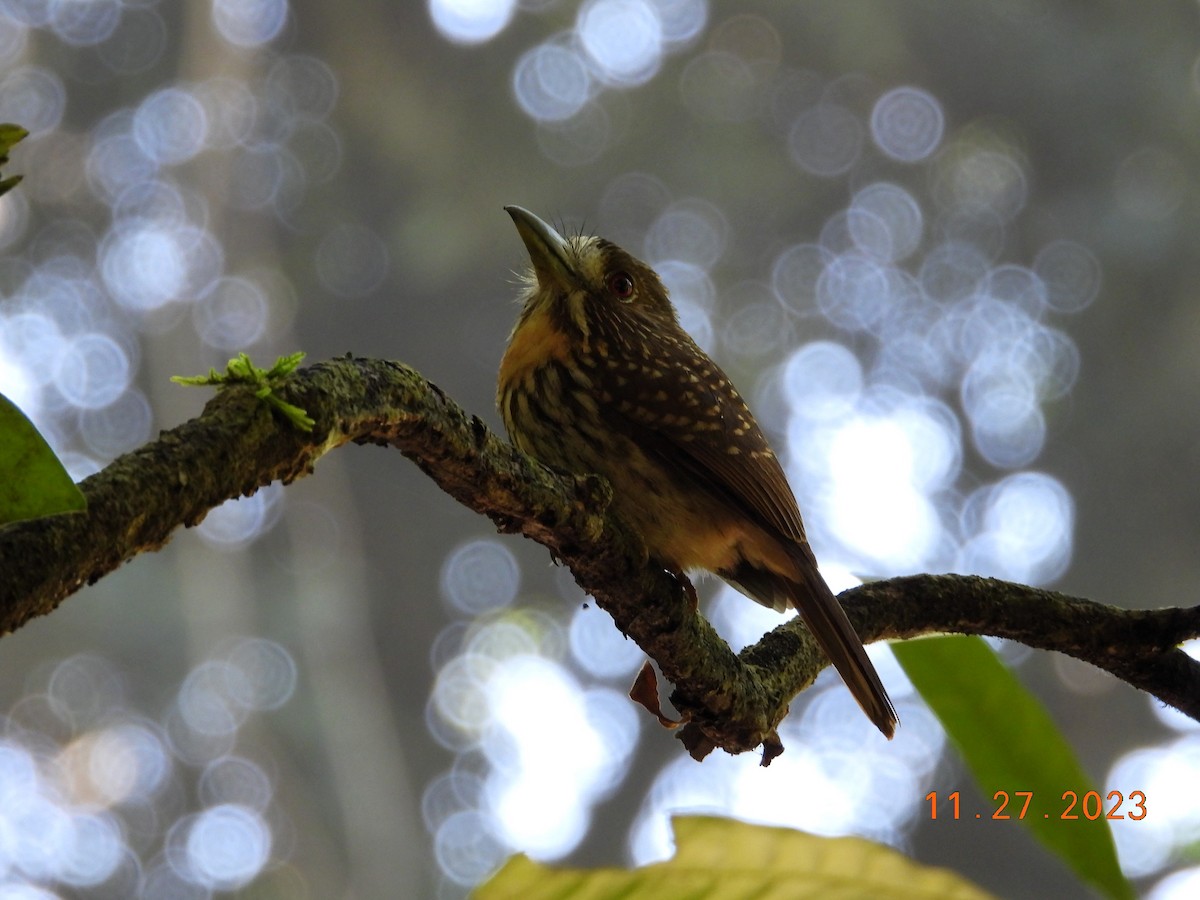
x=10 y=135
x=33 y=482
x=1015 y=752
x=719 y=858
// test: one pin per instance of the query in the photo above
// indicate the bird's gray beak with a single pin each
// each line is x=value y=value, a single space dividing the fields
x=551 y=255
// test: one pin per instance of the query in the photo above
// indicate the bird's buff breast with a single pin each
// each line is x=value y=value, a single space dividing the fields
x=534 y=342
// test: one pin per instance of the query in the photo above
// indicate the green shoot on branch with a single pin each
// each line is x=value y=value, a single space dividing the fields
x=240 y=370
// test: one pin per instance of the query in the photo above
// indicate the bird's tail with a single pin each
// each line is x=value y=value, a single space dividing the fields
x=827 y=621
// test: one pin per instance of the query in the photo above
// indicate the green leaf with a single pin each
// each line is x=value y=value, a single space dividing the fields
x=721 y=858
x=9 y=135
x=33 y=483
x=1010 y=743
x=240 y=370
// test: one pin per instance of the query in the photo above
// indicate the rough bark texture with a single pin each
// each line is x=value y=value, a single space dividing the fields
x=238 y=444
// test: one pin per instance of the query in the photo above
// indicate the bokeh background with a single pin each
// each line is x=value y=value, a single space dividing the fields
x=948 y=250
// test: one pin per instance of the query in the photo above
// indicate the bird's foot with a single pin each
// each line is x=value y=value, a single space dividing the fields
x=685 y=583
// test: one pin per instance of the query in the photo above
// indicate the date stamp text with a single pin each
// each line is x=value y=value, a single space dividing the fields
x=1018 y=804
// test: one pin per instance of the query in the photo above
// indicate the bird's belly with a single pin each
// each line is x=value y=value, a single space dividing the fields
x=684 y=523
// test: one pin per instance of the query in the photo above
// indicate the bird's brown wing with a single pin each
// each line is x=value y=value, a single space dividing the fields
x=685 y=407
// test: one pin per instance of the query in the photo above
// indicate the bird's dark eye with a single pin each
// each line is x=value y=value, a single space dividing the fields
x=621 y=284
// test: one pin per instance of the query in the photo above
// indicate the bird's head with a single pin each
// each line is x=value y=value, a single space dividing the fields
x=589 y=282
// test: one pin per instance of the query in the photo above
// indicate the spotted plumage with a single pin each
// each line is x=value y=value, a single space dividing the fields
x=599 y=377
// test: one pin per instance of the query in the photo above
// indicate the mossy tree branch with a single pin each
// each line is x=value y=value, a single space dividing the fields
x=238 y=444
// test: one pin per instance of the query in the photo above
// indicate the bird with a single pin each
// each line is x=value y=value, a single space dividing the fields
x=598 y=376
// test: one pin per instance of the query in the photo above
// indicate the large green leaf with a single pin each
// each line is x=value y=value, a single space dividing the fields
x=1010 y=744
x=722 y=858
x=33 y=482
